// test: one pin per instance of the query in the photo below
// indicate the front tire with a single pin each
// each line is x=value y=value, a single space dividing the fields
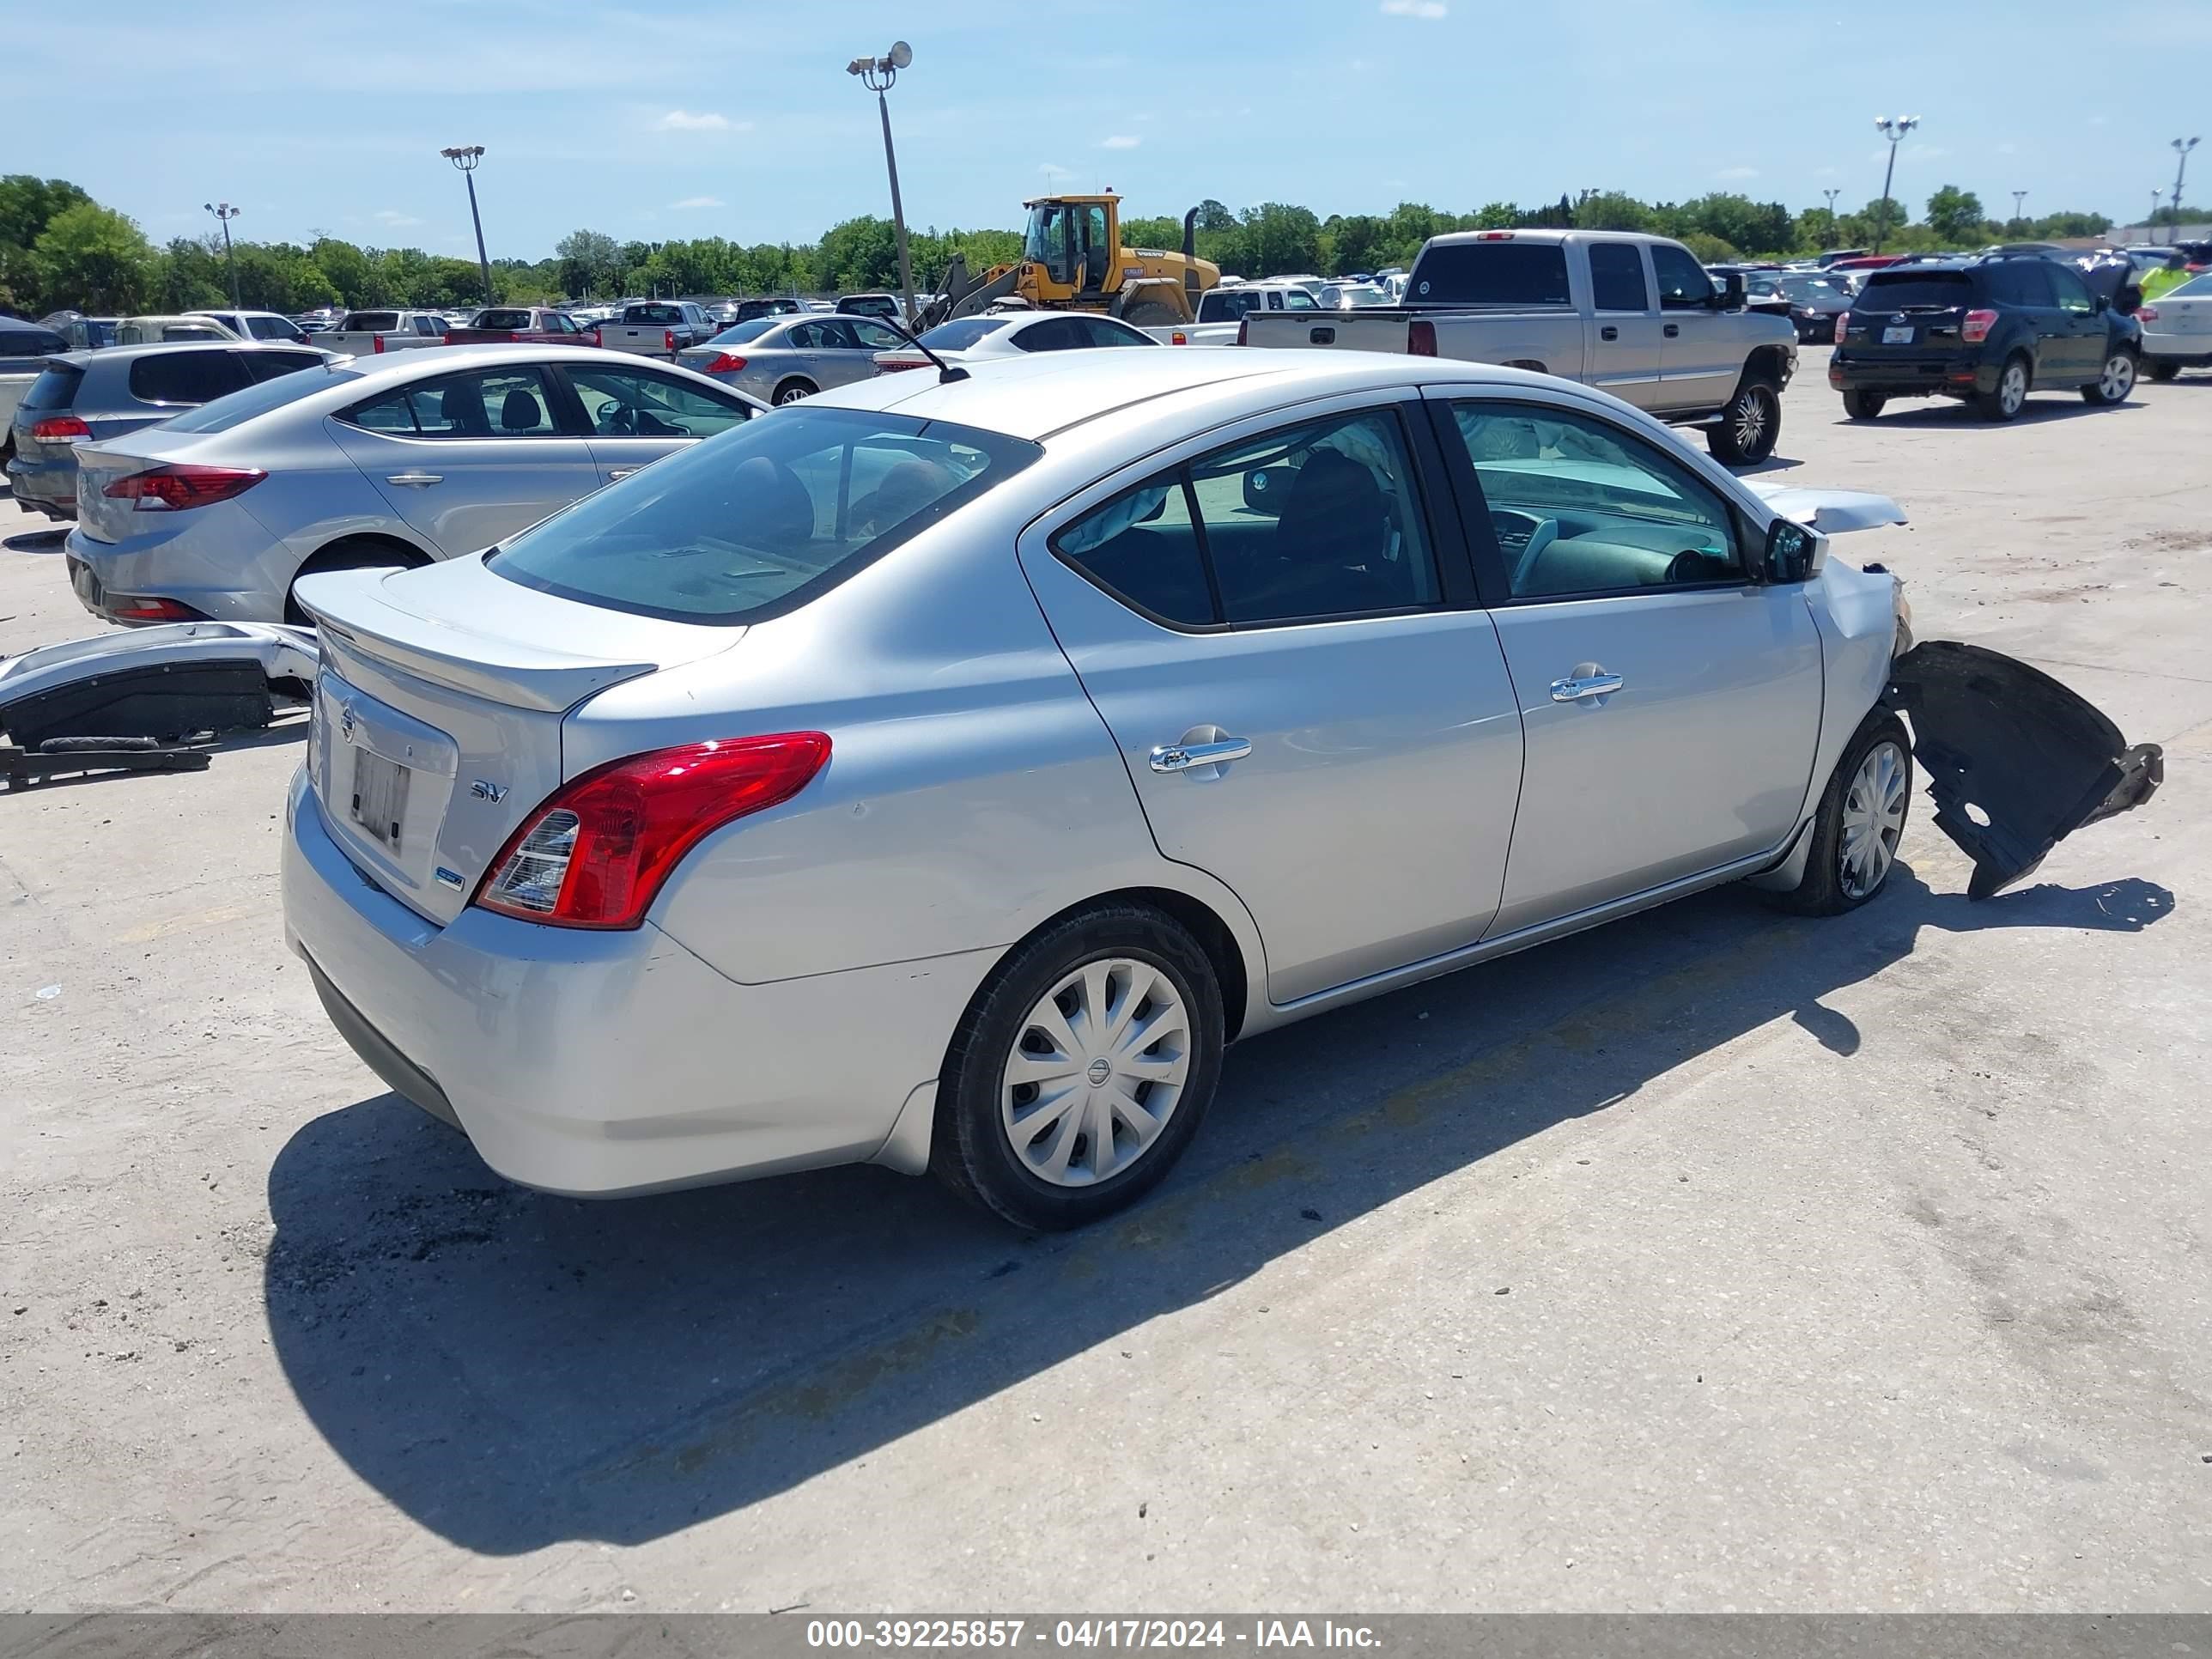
x=792 y=391
x=2011 y=394
x=1864 y=405
x=1151 y=313
x=1748 y=427
x=2114 y=385
x=1082 y=1070
x=1859 y=822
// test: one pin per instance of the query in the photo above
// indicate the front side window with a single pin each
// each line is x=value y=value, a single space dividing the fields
x=1616 y=277
x=2073 y=293
x=502 y=403
x=1315 y=522
x=763 y=519
x=429 y=325
x=1579 y=507
x=1297 y=299
x=636 y=403
x=274 y=328
x=1683 y=282
x=874 y=337
x=1105 y=331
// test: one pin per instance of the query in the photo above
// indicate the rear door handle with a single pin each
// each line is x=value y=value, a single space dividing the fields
x=619 y=472
x=1574 y=690
x=1673 y=330
x=415 y=480
x=1608 y=332
x=1181 y=757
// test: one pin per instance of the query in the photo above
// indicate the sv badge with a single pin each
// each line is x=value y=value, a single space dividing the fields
x=483 y=790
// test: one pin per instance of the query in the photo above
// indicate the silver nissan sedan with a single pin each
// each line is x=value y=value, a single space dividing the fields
x=943 y=771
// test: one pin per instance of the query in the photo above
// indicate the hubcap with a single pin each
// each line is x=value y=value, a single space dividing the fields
x=792 y=394
x=2120 y=377
x=1096 y=1072
x=1750 y=421
x=2013 y=393
x=1873 y=817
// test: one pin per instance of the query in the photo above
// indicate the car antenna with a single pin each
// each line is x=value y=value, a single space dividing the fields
x=947 y=374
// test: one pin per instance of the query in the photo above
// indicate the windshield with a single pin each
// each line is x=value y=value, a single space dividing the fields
x=763 y=519
x=744 y=333
x=1041 y=242
x=1491 y=274
x=962 y=332
x=235 y=408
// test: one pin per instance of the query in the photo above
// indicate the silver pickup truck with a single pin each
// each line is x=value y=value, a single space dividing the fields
x=658 y=328
x=372 y=333
x=1636 y=316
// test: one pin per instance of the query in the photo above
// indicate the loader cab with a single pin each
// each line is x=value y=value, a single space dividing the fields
x=1073 y=242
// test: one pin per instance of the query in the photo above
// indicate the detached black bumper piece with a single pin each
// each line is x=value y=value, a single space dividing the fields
x=2015 y=760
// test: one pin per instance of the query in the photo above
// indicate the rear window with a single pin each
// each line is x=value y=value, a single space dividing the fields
x=763 y=519
x=1491 y=274
x=186 y=377
x=30 y=342
x=2197 y=288
x=274 y=328
x=961 y=333
x=745 y=333
x=370 y=322
x=55 y=388
x=641 y=316
x=287 y=387
x=1916 y=290
x=496 y=319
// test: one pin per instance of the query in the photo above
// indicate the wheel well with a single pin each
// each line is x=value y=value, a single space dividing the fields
x=1198 y=917
x=332 y=553
x=1766 y=364
x=791 y=380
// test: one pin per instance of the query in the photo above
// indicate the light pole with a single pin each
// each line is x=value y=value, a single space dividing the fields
x=2181 y=148
x=1893 y=128
x=224 y=212
x=1832 y=195
x=466 y=157
x=2018 y=215
x=878 y=75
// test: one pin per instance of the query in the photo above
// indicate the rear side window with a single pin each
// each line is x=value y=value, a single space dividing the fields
x=55 y=388
x=273 y=328
x=496 y=403
x=1917 y=290
x=760 y=520
x=30 y=342
x=1491 y=274
x=186 y=377
x=1616 y=277
x=744 y=333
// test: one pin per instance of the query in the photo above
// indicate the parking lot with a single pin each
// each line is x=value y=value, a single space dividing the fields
x=1713 y=1260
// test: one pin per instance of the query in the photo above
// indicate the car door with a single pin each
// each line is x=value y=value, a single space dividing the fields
x=467 y=459
x=2081 y=329
x=1625 y=354
x=858 y=340
x=1671 y=705
x=1699 y=361
x=637 y=414
x=1281 y=639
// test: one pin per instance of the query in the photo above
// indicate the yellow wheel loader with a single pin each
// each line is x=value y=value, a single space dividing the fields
x=1073 y=260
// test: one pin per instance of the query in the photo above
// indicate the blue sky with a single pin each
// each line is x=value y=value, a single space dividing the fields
x=737 y=119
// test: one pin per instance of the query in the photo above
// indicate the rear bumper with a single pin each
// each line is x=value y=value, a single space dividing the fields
x=48 y=486
x=213 y=561
x=605 y=1063
x=1925 y=376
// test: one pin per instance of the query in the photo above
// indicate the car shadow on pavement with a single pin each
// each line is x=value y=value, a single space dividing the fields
x=512 y=1369
x=36 y=541
x=1949 y=412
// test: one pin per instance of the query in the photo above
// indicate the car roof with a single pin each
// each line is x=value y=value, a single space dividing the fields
x=127 y=354
x=1466 y=238
x=1036 y=397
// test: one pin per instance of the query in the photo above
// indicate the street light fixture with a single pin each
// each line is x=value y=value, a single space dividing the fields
x=1893 y=128
x=2150 y=225
x=466 y=157
x=224 y=212
x=2181 y=148
x=1832 y=195
x=2018 y=214
x=879 y=75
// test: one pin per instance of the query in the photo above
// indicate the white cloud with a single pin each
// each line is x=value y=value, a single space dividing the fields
x=683 y=120
x=2008 y=149
x=700 y=202
x=1053 y=170
x=395 y=218
x=1119 y=140
x=2099 y=120
x=1430 y=9
x=1737 y=172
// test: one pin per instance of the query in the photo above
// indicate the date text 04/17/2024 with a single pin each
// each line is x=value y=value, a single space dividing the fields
x=1087 y=1633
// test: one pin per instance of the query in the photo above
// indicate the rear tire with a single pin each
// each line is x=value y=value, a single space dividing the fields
x=1864 y=405
x=2011 y=394
x=792 y=391
x=1100 y=978
x=2162 y=371
x=1748 y=427
x=352 y=554
x=1859 y=823
x=1151 y=313
x=2114 y=385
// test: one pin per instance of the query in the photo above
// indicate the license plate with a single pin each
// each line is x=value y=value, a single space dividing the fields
x=1897 y=335
x=379 y=798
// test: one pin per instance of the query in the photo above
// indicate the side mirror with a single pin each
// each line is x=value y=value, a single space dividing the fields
x=1265 y=488
x=1730 y=298
x=2100 y=304
x=1794 y=554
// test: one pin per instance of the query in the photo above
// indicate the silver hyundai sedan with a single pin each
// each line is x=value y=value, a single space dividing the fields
x=366 y=462
x=944 y=771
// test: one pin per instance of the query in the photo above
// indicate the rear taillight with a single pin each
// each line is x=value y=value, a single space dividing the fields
x=668 y=341
x=375 y=343
x=596 y=853
x=895 y=364
x=173 y=488
x=1176 y=336
x=1421 y=338
x=1493 y=236
x=724 y=364
x=1843 y=322
x=55 y=428
x=1243 y=323
x=1977 y=326
x=149 y=611
x=596 y=339
x=2143 y=315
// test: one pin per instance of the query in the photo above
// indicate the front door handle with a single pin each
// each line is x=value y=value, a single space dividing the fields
x=1181 y=757
x=1575 y=687
x=415 y=480
x=1608 y=332
x=1673 y=330
x=619 y=472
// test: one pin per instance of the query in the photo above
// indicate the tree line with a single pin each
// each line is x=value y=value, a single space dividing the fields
x=60 y=248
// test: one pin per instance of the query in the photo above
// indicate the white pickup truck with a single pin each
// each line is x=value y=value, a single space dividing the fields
x=656 y=328
x=368 y=333
x=1636 y=316
x=1221 y=309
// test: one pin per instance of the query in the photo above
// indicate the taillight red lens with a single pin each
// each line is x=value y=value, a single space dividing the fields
x=895 y=364
x=150 y=611
x=596 y=853
x=724 y=364
x=597 y=338
x=173 y=488
x=1976 y=328
x=1176 y=336
x=1843 y=322
x=668 y=341
x=1421 y=338
x=1243 y=323
x=375 y=344
x=2146 y=314
x=55 y=428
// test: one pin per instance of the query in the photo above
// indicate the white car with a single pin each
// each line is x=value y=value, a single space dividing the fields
x=2177 y=329
x=258 y=325
x=1012 y=334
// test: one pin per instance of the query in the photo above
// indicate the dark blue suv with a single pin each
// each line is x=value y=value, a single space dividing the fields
x=1987 y=330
